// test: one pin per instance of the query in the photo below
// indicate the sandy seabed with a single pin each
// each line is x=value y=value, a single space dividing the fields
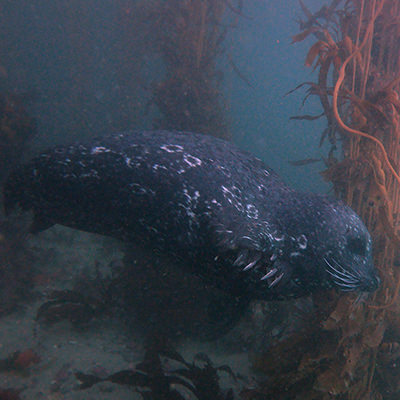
x=103 y=346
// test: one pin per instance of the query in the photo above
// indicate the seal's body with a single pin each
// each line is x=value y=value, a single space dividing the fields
x=217 y=210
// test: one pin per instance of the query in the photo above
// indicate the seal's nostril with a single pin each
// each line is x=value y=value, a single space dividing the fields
x=372 y=284
x=377 y=282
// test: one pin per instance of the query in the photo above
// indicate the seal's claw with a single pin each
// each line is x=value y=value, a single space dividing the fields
x=252 y=263
x=243 y=255
x=276 y=280
x=270 y=274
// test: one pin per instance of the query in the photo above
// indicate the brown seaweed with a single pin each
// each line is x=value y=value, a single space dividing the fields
x=19 y=361
x=10 y=394
x=17 y=128
x=16 y=263
x=352 y=353
x=188 y=36
x=164 y=374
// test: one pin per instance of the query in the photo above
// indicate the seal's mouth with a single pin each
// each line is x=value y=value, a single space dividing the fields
x=350 y=280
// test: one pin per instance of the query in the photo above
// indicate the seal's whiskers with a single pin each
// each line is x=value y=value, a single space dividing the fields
x=344 y=279
x=354 y=273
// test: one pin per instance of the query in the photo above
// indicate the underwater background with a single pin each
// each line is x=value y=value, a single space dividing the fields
x=86 y=69
x=84 y=316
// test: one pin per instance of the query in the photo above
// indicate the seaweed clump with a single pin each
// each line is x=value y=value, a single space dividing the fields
x=165 y=375
x=189 y=36
x=17 y=127
x=16 y=273
x=353 y=351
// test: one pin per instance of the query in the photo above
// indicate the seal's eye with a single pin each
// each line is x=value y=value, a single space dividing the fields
x=357 y=245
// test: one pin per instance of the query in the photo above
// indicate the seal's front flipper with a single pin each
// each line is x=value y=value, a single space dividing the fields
x=224 y=312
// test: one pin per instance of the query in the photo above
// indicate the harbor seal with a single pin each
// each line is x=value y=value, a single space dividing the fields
x=218 y=211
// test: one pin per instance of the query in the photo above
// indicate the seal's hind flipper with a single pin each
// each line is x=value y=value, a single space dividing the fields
x=40 y=222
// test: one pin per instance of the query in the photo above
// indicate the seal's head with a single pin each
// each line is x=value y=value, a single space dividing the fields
x=330 y=246
x=307 y=242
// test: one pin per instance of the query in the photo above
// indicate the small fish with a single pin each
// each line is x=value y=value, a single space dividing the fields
x=306 y=161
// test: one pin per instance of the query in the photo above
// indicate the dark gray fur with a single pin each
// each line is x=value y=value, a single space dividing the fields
x=217 y=210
